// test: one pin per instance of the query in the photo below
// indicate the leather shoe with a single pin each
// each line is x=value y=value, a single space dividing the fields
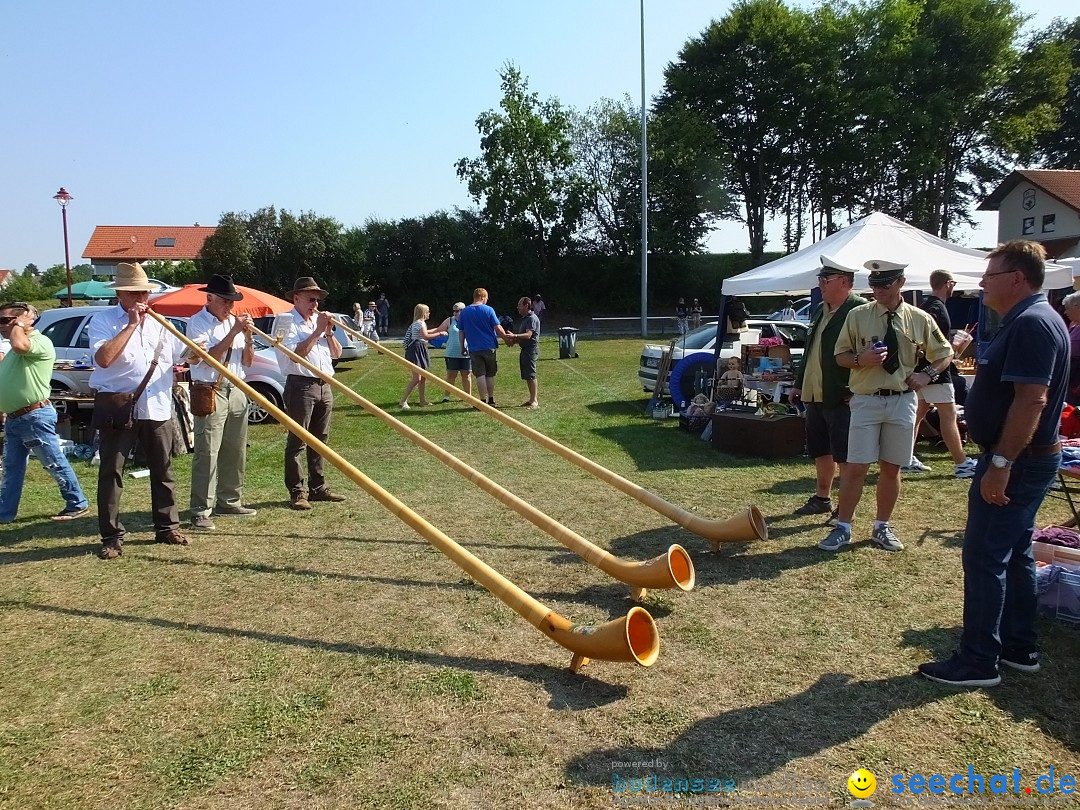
x=110 y=551
x=326 y=495
x=299 y=502
x=171 y=538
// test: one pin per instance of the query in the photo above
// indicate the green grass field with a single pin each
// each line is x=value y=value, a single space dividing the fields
x=334 y=659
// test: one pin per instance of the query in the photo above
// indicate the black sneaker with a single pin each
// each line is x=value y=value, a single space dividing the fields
x=955 y=672
x=71 y=512
x=815 y=505
x=834 y=518
x=1021 y=662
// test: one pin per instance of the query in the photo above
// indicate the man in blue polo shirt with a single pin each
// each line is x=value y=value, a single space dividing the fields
x=481 y=325
x=1013 y=412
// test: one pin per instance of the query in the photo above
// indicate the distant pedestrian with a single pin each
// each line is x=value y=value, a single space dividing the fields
x=368 y=319
x=382 y=308
x=682 y=316
x=538 y=307
x=788 y=312
x=695 y=314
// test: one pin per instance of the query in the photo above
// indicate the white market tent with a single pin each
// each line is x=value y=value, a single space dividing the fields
x=877 y=236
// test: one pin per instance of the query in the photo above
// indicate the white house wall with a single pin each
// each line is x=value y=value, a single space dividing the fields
x=1025 y=211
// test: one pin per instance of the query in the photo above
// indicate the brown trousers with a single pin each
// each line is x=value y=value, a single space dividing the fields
x=310 y=403
x=156 y=439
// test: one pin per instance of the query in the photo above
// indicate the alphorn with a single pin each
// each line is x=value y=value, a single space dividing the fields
x=673 y=569
x=749 y=525
x=634 y=637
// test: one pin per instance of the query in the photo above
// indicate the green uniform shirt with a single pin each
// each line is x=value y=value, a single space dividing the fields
x=915 y=332
x=24 y=378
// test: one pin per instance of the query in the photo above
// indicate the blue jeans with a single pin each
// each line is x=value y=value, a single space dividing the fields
x=999 y=569
x=35 y=432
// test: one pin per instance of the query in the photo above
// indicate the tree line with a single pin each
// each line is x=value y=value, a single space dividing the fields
x=813 y=117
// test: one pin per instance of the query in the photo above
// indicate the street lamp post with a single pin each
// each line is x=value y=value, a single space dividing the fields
x=64 y=198
x=644 y=193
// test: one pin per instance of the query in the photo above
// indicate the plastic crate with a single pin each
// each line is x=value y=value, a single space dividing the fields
x=1062 y=599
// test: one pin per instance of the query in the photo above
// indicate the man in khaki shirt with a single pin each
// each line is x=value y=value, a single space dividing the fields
x=880 y=343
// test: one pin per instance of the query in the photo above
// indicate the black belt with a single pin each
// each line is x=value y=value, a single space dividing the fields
x=888 y=392
x=1032 y=450
x=303 y=378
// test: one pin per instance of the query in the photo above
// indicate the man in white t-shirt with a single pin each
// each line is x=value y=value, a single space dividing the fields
x=220 y=459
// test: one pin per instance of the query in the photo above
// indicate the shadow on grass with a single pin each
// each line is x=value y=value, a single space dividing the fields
x=288 y=570
x=1036 y=698
x=733 y=563
x=673 y=450
x=566 y=689
x=834 y=711
x=764 y=739
x=949 y=538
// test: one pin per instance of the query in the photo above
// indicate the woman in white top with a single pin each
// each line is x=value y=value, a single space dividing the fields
x=416 y=352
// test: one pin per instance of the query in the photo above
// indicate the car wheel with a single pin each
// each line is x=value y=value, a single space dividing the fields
x=257 y=414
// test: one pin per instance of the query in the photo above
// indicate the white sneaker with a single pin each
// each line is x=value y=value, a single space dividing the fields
x=966 y=468
x=915 y=466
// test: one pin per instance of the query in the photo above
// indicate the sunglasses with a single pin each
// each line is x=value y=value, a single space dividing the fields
x=880 y=285
x=6 y=320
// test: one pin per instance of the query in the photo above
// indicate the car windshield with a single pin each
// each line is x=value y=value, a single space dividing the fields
x=792 y=335
x=698 y=338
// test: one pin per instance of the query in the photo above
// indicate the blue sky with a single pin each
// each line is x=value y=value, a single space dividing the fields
x=172 y=113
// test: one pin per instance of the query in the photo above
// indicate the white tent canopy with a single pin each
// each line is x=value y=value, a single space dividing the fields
x=877 y=236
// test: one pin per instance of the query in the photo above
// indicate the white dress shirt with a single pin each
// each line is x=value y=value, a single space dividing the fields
x=298 y=330
x=204 y=327
x=130 y=366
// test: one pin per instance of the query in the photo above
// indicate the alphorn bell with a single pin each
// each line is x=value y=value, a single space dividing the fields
x=634 y=637
x=673 y=569
x=715 y=531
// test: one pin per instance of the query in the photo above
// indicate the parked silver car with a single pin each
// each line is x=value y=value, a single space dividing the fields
x=69 y=331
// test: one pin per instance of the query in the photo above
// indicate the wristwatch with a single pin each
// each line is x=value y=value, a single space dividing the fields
x=1001 y=462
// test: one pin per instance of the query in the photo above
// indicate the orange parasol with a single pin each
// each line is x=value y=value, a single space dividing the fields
x=188 y=300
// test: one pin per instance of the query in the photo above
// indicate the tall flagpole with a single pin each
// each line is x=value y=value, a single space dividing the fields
x=644 y=194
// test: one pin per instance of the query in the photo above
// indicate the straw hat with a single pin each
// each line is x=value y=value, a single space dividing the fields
x=130 y=277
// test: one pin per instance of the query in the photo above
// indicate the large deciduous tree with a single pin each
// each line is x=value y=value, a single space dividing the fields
x=1060 y=147
x=737 y=87
x=270 y=249
x=524 y=176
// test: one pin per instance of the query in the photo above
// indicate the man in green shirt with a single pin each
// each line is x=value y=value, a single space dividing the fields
x=30 y=426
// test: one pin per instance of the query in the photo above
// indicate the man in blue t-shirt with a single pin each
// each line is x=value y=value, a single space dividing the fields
x=1013 y=412
x=482 y=332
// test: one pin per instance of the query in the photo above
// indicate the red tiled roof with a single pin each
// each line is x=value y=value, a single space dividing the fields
x=5 y=276
x=118 y=243
x=1064 y=184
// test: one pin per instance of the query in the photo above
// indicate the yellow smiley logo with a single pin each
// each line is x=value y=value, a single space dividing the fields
x=862 y=784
